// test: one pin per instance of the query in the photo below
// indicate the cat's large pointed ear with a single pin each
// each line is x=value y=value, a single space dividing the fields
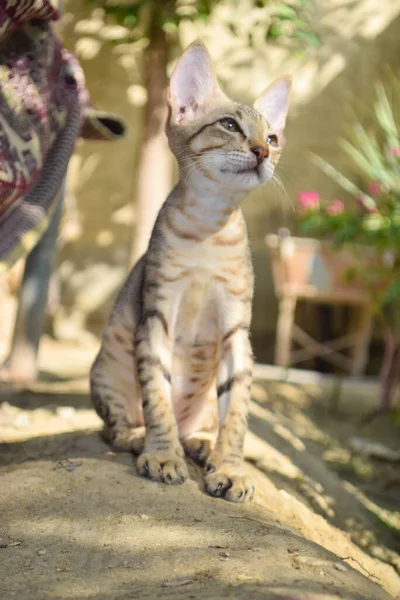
x=273 y=104
x=193 y=83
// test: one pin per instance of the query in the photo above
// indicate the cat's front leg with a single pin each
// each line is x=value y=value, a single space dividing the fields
x=163 y=457
x=226 y=477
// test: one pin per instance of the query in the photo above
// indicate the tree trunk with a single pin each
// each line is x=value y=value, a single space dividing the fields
x=154 y=172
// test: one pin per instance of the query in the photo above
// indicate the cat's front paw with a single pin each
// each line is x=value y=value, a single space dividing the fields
x=164 y=467
x=229 y=484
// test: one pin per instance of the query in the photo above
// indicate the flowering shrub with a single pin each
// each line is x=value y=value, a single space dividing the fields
x=366 y=220
x=371 y=218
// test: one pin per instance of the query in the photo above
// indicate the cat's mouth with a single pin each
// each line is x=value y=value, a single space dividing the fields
x=250 y=170
x=254 y=170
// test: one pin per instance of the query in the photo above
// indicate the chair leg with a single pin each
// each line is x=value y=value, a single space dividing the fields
x=360 y=354
x=287 y=309
x=29 y=324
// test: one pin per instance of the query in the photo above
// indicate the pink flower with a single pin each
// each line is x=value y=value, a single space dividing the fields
x=374 y=188
x=308 y=201
x=336 y=207
x=395 y=151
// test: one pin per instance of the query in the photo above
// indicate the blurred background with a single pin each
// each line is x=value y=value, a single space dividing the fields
x=335 y=50
x=313 y=436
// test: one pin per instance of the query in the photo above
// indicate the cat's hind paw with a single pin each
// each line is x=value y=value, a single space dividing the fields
x=230 y=485
x=167 y=468
x=199 y=446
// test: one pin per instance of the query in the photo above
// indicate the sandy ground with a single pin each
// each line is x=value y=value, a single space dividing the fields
x=76 y=521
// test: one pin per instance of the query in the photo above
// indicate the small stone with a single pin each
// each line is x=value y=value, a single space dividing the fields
x=250 y=578
x=145 y=517
x=66 y=412
x=42 y=552
x=13 y=544
x=340 y=567
x=285 y=494
x=21 y=421
x=322 y=572
x=198 y=519
x=255 y=549
x=178 y=582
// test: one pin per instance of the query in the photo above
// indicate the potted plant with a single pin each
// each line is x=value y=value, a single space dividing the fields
x=317 y=271
x=368 y=226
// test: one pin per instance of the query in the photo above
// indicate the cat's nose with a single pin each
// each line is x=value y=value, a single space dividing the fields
x=260 y=152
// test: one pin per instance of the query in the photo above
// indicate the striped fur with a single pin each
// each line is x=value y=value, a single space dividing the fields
x=173 y=374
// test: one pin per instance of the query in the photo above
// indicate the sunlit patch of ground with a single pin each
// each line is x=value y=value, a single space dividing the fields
x=346 y=470
x=78 y=523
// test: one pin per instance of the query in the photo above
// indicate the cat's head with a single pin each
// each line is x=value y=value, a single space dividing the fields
x=230 y=143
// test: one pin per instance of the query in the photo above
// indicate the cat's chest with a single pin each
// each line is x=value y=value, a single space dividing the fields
x=198 y=295
x=197 y=309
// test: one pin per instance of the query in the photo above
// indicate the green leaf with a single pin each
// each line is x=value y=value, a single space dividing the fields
x=350 y=274
x=375 y=222
x=308 y=36
x=130 y=21
x=274 y=31
x=392 y=294
x=334 y=174
x=169 y=27
x=286 y=12
x=385 y=116
x=357 y=156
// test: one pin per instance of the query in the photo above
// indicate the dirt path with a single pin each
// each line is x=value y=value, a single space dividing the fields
x=88 y=527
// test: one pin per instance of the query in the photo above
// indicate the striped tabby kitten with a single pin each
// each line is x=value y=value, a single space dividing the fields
x=174 y=370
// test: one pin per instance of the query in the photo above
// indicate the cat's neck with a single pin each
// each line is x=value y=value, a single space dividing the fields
x=203 y=187
x=206 y=203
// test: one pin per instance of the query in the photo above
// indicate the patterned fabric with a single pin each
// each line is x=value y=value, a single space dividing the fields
x=39 y=83
x=22 y=227
x=42 y=86
x=15 y=14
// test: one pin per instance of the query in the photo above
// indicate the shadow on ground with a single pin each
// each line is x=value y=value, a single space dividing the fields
x=78 y=523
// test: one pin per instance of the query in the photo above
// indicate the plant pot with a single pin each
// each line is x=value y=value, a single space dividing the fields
x=313 y=269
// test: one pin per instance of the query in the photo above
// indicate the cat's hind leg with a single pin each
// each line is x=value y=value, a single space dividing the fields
x=116 y=399
x=114 y=382
x=124 y=437
x=115 y=389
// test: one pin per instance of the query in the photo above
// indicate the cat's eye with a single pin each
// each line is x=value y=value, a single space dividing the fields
x=272 y=140
x=230 y=125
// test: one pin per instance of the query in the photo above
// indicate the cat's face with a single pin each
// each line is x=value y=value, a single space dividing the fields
x=231 y=144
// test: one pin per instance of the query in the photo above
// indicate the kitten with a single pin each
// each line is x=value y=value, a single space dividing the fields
x=173 y=374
